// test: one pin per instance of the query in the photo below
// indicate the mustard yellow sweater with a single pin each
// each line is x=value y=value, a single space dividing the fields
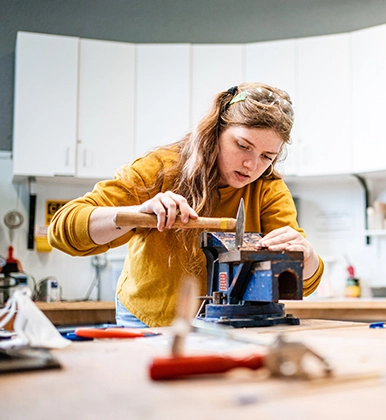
x=155 y=262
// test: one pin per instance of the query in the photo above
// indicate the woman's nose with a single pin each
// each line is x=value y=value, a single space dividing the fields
x=250 y=164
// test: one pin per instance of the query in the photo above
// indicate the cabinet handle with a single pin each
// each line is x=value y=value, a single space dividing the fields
x=67 y=162
x=84 y=158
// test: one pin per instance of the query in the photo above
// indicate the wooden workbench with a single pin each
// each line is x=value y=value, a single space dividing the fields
x=78 y=313
x=108 y=379
x=353 y=309
x=88 y=313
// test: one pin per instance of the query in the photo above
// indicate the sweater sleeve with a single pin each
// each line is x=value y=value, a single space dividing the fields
x=278 y=210
x=311 y=284
x=69 y=228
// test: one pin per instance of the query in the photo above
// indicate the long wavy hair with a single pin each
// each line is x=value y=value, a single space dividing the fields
x=196 y=173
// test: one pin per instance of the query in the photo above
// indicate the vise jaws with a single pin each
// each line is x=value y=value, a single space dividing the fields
x=244 y=284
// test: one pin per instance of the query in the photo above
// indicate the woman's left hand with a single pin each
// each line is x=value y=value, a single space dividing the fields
x=285 y=239
x=288 y=239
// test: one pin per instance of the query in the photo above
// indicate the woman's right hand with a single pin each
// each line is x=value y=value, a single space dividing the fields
x=166 y=206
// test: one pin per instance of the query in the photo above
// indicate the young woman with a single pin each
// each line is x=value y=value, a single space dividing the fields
x=230 y=155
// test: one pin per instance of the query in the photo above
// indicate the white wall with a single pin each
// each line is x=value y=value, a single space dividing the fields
x=74 y=274
x=332 y=212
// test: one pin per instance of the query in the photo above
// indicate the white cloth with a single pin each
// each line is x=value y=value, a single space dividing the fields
x=31 y=326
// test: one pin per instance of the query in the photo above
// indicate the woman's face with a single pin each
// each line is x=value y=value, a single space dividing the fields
x=245 y=154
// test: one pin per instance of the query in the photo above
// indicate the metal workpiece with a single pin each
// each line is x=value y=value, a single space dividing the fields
x=226 y=241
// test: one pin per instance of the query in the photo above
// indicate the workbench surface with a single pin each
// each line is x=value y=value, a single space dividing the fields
x=342 y=309
x=108 y=379
x=87 y=313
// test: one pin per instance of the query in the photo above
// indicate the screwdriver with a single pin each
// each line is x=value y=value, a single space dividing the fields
x=163 y=368
x=118 y=332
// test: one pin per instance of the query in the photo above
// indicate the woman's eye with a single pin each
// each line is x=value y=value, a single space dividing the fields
x=242 y=146
x=268 y=158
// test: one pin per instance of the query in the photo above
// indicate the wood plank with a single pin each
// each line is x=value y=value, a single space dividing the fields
x=78 y=313
x=364 y=310
x=75 y=306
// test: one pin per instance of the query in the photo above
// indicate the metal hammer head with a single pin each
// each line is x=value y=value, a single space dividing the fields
x=289 y=359
x=240 y=223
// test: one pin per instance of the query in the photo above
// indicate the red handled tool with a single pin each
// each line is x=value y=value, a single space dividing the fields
x=163 y=368
x=283 y=359
x=112 y=332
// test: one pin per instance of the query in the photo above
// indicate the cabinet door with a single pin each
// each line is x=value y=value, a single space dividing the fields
x=215 y=68
x=273 y=63
x=106 y=107
x=368 y=98
x=162 y=95
x=323 y=104
x=46 y=76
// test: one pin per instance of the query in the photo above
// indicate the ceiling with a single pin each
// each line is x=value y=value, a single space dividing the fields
x=172 y=21
x=193 y=21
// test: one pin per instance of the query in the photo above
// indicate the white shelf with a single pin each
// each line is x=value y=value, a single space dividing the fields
x=377 y=232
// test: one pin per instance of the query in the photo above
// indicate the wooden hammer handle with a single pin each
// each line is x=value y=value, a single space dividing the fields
x=150 y=221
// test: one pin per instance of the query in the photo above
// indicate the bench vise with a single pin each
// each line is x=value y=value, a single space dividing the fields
x=245 y=284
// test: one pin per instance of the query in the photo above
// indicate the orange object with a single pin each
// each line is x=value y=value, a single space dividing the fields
x=112 y=332
x=175 y=367
x=12 y=264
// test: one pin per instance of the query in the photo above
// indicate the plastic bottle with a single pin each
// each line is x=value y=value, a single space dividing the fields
x=353 y=287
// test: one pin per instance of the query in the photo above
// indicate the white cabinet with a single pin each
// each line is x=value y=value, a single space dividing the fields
x=273 y=63
x=323 y=80
x=163 y=77
x=215 y=68
x=84 y=107
x=106 y=107
x=315 y=72
x=74 y=106
x=45 y=107
x=368 y=99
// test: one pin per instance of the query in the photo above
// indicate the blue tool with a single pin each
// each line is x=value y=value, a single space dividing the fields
x=377 y=325
x=245 y=284
x=73 y=337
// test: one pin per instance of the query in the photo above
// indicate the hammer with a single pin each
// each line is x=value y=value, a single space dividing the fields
x=146 y=220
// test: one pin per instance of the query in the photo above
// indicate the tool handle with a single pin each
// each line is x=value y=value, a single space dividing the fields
x=163 y=368
x=108 y=332
x=150 y=221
